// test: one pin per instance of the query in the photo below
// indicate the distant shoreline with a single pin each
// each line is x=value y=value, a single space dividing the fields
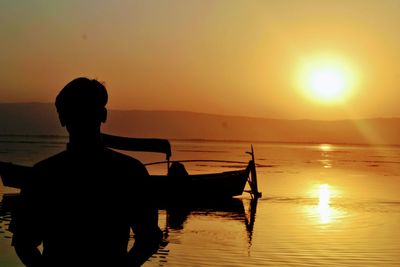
x=40 y=136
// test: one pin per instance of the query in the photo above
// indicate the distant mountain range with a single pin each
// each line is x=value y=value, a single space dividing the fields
x=41 y=119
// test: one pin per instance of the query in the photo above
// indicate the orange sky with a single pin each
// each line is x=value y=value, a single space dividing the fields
x=225 y=57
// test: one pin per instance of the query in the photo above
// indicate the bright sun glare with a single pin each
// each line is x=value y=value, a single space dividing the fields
x=327 y=83
x=327 y=80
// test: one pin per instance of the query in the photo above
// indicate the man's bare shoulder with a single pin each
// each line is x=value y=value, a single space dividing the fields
x=125 y=161
x=52 y=160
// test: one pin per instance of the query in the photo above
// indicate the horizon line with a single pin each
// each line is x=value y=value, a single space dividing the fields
x=247 y=141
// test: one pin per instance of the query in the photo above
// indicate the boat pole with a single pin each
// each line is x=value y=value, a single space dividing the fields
x=168 y=163
x=253 y=176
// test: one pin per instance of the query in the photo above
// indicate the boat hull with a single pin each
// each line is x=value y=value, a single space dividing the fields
x=162 y=187
x=214 y=185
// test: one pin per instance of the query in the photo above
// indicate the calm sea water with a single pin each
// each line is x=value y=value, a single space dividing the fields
x=322 y=205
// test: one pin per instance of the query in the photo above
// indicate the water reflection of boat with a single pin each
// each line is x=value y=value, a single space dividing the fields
x=237 y=209
x=225 y=208
x=232 y=208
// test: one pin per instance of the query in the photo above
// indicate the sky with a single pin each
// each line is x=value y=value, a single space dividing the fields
x=231 y=57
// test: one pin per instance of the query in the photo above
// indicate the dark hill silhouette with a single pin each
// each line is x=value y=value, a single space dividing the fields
x=30 y=118
x=41 y=119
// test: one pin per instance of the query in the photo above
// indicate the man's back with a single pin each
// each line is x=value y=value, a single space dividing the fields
x=82 y=206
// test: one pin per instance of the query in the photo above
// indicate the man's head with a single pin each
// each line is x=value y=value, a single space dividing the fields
x=81 y=106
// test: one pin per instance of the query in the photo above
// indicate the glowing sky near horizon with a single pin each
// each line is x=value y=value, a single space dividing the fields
x=223 y=56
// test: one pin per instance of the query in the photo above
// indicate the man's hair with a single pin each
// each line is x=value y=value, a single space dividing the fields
x=81 y=94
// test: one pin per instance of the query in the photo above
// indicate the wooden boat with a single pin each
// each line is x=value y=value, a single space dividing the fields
x=176 y=184
x=213 y=185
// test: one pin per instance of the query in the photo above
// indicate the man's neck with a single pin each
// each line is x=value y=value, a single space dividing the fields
x=85 y=143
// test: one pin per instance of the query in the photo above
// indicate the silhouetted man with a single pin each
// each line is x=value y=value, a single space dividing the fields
x=82 y=203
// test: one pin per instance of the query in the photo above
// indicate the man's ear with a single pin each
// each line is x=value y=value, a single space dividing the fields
x=103 y=115
x=62 y=120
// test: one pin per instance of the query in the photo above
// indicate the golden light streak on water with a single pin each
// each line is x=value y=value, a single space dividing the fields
x=323 y=208
x=323 y=211
x=325 y=147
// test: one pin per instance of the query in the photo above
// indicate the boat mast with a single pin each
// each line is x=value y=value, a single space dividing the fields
x=253 y=176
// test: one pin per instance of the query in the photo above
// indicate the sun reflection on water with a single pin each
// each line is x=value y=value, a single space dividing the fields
x=324 y=211
x=324 y=208
x=325 y=147
x=326 y=161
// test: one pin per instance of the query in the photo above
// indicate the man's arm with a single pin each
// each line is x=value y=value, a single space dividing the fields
x=144 y=224
x=26 y=227
x=25 y=241
x=29 y=255
x=148 y=237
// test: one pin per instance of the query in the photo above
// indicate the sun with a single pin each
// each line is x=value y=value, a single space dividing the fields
x=327 y=83
x=327 y=80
